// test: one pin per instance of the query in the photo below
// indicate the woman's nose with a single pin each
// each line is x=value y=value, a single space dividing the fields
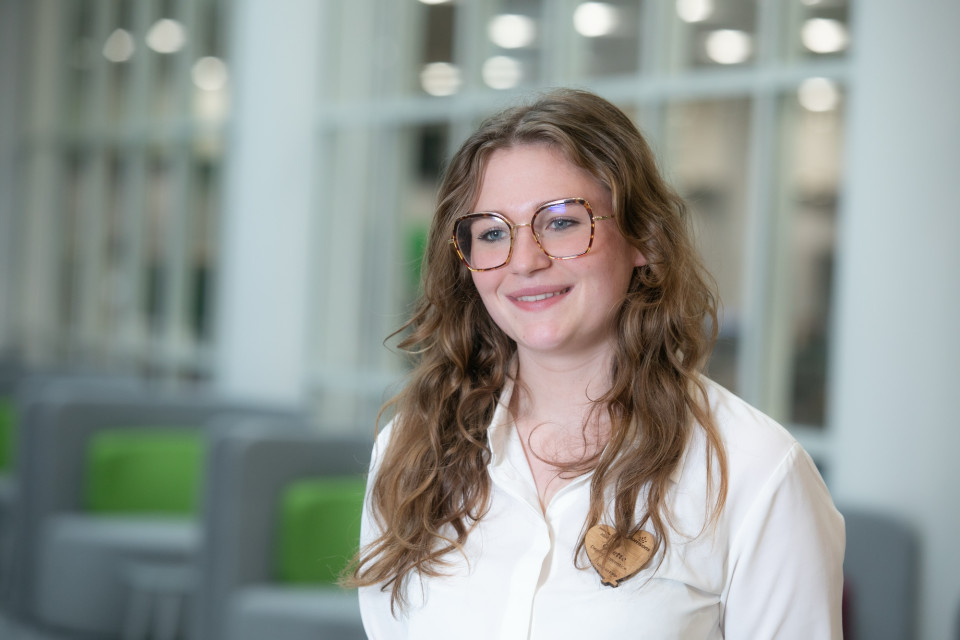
x=527 y=255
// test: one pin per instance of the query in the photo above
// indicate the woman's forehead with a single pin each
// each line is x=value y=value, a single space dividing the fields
x=524 y=176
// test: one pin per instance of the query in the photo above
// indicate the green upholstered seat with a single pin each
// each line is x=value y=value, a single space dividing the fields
x=319 y=528
x=145 y=470
x=7 y=433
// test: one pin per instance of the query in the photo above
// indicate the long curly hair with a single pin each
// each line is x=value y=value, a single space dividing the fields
x=432 y=485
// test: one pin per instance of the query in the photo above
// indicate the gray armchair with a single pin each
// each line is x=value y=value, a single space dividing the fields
x=10 y=374
x=19 y=388
x=239 y=597
x=880 y=576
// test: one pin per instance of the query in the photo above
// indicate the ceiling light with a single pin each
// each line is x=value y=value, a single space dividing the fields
x=818 y=94
x=728 y=46
x=824 y=35
x=209 y=73
x=440 y=78
x=511 y=31
x=694 y=10
x=595 y=19
x=502 y=72
x=119 y=46
x=166 y=36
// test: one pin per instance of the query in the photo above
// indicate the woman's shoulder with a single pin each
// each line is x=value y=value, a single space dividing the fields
x=381 y=441
x=763 y=459
x=760 y=453
x=746 y=431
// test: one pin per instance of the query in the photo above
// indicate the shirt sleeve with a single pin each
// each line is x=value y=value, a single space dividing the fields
x=786 y=560
x=378 y=622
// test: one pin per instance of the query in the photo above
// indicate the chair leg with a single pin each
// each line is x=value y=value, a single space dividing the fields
x=137 y=619
x=167 y=620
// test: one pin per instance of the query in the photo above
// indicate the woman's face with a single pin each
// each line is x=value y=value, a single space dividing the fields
x=553 y=307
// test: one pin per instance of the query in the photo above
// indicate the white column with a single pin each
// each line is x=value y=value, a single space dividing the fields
x=266 y=229
x=896 y=375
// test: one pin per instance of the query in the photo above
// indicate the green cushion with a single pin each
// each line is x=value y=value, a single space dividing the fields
x=416 y=248
x=319 y=529
x=7 y=434
x=153 y=470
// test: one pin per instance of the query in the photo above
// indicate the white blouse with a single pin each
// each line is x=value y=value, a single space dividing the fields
x=771 y=566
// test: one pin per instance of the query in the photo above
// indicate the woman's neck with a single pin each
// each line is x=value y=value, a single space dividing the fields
x=557 y=419
x=560 y=391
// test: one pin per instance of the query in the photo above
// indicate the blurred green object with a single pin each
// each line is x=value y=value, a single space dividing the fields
x=152 y=470
x=319 y=528
x=416 y=247
x=7 y=434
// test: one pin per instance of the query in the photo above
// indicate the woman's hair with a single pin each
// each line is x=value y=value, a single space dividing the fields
x=432 y=486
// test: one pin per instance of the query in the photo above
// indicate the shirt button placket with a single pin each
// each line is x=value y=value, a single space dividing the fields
x=523 y=584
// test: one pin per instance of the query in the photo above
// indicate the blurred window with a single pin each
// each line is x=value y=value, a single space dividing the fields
x=607 y=37
x=713 y=33
x=706 y=144
x=811 y=153
x=133 y=112
x=125 y=142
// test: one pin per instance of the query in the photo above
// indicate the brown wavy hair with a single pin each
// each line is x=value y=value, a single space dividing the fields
x=432 y=486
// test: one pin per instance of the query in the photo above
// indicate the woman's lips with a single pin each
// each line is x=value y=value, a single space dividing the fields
x=538 y=295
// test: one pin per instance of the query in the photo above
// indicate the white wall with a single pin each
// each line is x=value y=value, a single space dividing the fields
x=895 y=417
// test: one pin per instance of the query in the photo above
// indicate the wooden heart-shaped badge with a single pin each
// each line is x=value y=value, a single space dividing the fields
x=623 y=561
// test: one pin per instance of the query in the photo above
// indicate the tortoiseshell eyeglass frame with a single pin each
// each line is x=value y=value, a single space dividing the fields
x=513 y=231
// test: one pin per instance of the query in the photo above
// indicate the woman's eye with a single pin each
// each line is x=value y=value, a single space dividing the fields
x=560 y=224
x=492 y=235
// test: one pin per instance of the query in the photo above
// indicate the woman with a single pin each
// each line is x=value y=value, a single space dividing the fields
x=558 y=467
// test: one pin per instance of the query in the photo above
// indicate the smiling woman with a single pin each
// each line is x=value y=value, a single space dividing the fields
x=557 y=438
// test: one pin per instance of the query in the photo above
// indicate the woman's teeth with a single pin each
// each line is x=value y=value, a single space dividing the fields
x=542 y=296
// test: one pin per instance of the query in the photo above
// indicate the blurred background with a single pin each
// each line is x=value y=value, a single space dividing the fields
x=235 y=195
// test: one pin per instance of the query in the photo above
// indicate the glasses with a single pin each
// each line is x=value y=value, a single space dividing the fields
x=563 y=230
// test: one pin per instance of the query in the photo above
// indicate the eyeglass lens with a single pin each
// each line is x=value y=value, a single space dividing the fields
x=563 y=230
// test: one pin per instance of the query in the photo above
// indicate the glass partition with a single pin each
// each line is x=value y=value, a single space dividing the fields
x=812 y=130
x=706 y=151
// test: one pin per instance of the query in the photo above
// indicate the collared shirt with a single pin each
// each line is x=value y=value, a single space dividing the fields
x=769 y=567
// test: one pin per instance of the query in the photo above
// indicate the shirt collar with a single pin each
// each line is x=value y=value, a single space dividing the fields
x=501 y=426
